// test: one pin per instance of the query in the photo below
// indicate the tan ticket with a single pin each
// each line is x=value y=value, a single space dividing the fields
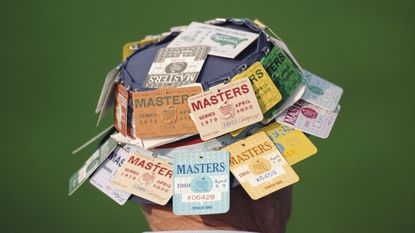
x=163 y=112
x=225 y=108
x=146 y=177
x=120 y=109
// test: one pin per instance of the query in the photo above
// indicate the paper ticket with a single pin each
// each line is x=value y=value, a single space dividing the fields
x=223 y=42
x=320 y=92
x=163 y=112
x=174 y=67
x=225 y=108
x=292 y=144
x=309 y=118
x=146 y=177
x=101 y=179
x=259 y=167
x=201 y=183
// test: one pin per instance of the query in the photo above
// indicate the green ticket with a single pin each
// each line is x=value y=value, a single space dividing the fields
x=285 y=75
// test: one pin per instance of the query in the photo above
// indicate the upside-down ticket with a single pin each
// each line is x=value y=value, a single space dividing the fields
x=225 y=108
x=259 y=167
x=147 y=177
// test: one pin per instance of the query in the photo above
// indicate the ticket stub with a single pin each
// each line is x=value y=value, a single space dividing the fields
x=258 y=166
x=320 y=92
x=225 y=108
x=292 y=144
x=163 y=112
x=91 y=165
x=146 y=177
x=201 y=183
x=223 y=42
x=174 y=67
x=101 y=179
x=120 y=109
x=309 y=118
x=286 y=76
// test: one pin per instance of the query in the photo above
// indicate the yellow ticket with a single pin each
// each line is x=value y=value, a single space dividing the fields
x=129 y=48
x=293 y=144
x=258 y=166
x=265 y=90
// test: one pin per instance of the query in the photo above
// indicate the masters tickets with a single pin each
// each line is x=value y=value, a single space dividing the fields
x=163 y=112
x=146 y=177
x=259 y=167
x=173 y=67
x=201 y=183
x=224 y=42
x=225 y=108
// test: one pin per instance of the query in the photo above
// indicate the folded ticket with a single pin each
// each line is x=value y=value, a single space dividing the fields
x=148 y=143
x=320 y=92
x=101 y=179
x=309 y=118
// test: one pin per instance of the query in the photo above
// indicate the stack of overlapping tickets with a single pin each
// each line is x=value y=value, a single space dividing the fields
x=186 y=135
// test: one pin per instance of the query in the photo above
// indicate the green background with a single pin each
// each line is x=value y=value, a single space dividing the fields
x=54 y=57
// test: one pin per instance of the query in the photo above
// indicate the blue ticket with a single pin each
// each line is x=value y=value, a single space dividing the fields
x=201 y=183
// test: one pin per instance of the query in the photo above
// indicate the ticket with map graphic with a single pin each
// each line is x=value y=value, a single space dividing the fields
x=146 y=177
x=223 y=42
x=174 y=67
x=292 y=144
x=101 y=179
x=225 y=108
x=201 y=183
x=309 y=118
x=258 y=166
x=163 y=112
x=320 y=92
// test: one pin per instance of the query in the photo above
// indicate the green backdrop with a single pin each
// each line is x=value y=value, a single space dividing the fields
x=55 y=54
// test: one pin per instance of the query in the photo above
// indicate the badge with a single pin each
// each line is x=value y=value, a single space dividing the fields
x=223 y=42
x=101 y=179
x=120 y=109
x=201 y=183
x=320 y=92
x=265 y=90
x=284 y=74
x=225 y=108
x=258 y=166
x=147 y=177
x=309 y=118
x=292 y=144
x=163 y=112
x=174 y=67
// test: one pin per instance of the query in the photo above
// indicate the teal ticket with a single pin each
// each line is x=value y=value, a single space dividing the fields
x=201 y=183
